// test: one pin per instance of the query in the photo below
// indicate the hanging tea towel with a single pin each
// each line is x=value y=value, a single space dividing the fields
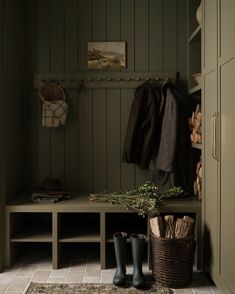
x=54 y=113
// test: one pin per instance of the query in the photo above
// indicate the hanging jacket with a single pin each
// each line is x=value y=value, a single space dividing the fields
x=156 y=135
x=142 y=124
x=169 y=165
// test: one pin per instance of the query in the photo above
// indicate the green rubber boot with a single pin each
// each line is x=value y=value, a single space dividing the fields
x=138 y=251
x=119 y=278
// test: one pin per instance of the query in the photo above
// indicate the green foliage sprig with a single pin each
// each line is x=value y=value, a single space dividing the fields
x=145 y=199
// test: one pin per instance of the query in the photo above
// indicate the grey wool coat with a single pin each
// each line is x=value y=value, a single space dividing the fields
x=157 y=136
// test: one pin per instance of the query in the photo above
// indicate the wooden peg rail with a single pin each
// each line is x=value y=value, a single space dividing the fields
x=100 y=79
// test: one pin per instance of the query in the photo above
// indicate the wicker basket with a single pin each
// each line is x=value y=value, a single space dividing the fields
x=51 y=92
x=172 y=261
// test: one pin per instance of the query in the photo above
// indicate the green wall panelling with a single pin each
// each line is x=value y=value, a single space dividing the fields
x=155 y=29
x=85 y=31
x=127 y=170
x=170 y=37
x=151 y=46
x=99 y=140
x=71 y=152
x=141 y=35
x=85 y=124
x=2 y=133
x=113 y=140
x=128 y=31
x=71 y=35
x=43 y=141
x=57 y=65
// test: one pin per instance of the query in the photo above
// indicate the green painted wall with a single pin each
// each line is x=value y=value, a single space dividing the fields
x=2 y=177
x=85 y=155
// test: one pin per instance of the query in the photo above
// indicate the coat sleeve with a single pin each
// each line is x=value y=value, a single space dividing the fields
x=131 y=147
x=168 y=136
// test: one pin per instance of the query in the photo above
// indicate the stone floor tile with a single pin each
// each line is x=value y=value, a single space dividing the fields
x=59 y=273
x=45 y=265
x=56 y=280
x=18 y=284
x=106 y=278
x=184 y=291
x=27 y=270
x=14 y=292
x=41 y=276
x=90 y=279
x=202 y=292
x=78 y=266
x=214 y=290
x=7 y=277
x=74 y=277
x=3 y=288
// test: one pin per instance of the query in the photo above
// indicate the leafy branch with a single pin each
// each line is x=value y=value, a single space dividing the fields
x=145 y=199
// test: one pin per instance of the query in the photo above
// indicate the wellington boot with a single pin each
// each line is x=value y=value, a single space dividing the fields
x=120 y=253
x=138 y=251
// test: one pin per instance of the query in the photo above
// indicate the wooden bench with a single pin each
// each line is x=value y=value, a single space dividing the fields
x=79 y=220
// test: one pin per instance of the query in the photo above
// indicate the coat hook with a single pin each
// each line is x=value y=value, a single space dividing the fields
x=137 y=79
x=118 y=79
x=157 y=78
x=166 y=78
x=128 y=79
x=99 y=79
x=147 y=79
x=109 y=79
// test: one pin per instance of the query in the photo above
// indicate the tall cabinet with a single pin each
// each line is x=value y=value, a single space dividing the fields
x=218 y=69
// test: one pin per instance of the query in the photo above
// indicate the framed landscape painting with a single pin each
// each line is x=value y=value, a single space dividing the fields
x=111 y=55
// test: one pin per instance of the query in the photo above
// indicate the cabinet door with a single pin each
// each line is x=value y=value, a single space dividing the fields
x=210 y=102
x=227 y=101
x=210 y=174
x=227 y=234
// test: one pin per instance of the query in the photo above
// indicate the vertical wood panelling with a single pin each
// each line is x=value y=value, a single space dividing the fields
x=71 y=143
x=2 y=134
x=57 y=65
x=43 y=65
x=99 y=140
x=170 y=48
x=85 y=100
x=99 y=106
x=113 y=140
x=128 y=31
x=141 y=55
x=113 y=20
x=71 y=65
x=85 y=141
x=71 y=35
x=127 y=170
x=155 y=35
x=182 y=45
x=127 y=34
x=113 y=106
x=141 y=35
x=86 y=154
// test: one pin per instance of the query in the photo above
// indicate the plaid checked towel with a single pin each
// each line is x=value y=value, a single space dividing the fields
x=54 y=113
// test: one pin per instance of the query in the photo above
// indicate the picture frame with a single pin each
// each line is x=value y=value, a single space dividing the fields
x=106 y=55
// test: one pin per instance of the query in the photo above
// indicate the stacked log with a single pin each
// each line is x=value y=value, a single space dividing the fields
x=170 y=228
x=197 y=186
x=195 y=123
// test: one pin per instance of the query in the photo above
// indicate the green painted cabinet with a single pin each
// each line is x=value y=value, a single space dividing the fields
x=219 y=167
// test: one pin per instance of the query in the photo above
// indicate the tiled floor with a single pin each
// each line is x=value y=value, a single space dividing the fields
x=77 y=270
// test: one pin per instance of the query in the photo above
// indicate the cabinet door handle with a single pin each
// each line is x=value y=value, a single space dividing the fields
x=214 y=136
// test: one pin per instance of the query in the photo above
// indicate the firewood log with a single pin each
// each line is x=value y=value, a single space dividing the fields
x=183 y=228
x=169 y=225
x=156 y=226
